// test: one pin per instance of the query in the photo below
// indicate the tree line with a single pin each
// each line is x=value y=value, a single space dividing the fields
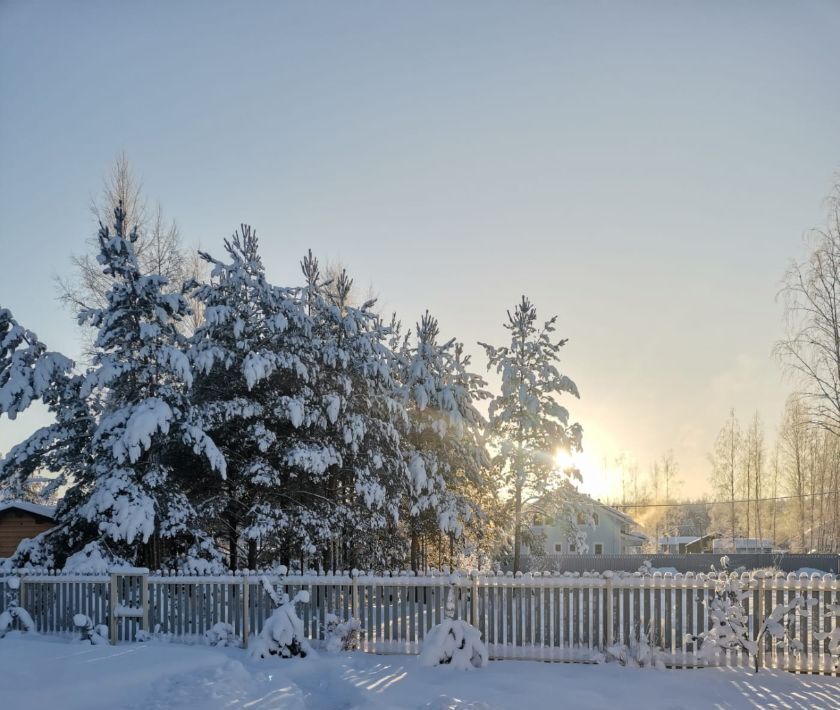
x=223 y=421
x=789 y=491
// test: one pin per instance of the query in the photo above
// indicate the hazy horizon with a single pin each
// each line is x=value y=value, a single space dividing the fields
x=644 y=173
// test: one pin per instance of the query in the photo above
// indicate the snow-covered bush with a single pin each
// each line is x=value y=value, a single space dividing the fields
x=779 y=626
x=221 y=634
x=730 y=627
x=729 y=630
x=454 y=642
x=646 y=568
x=638 y=654
x=342 y=635
x=94 y=634
x=282 y=634
x=13 y=610
x=833 y=636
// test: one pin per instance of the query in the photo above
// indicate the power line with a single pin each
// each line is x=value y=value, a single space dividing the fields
x=717 y=502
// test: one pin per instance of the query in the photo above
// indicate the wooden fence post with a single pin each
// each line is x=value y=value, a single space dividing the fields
x=246 y=620
x=610 y=612
x=112 y=609
x=144 y=591
x=354 y=596
x=21 y=601
x=474 y=601
x=760 y=619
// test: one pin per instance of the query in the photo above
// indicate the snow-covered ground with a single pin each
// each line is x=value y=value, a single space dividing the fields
x=40 y=673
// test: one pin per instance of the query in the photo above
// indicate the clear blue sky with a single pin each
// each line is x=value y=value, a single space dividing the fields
x=645 y=170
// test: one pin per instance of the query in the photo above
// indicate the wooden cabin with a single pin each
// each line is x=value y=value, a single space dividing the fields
x=19 y=520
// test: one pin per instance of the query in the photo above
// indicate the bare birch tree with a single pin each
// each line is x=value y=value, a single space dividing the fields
x=794 y=442
x=159 y=247
x=810 y=348
x=724 y=460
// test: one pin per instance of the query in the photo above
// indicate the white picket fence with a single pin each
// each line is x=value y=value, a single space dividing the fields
x=551 y=617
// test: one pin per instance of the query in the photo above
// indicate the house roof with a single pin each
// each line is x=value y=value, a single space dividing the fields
x=47 y=511
x=615 y=512
x=678 y=540
x=609 y=510
x=742 y=542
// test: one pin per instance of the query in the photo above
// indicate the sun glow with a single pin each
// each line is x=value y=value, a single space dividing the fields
x=565 y=460
x=598 y=481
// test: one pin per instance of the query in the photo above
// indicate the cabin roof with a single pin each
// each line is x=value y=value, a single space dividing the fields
x=45 y=511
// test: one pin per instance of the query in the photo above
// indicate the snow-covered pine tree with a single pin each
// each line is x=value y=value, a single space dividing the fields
x=526 y=423
x=249 y=381
x=349 y=450
x=444 y=445
x=128 y=503
x=29 y=373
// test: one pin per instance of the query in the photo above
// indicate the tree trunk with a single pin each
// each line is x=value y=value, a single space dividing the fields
x=233 y=541
x=517 y=529
x=415 y=547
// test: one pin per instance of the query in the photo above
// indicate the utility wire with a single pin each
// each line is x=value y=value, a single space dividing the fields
x=717 y=502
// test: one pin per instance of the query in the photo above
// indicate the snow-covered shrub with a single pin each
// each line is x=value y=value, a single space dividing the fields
x=779 y=626
x=729 y=629
x=13 y=610
x=342 y=635
x=454 y=642
x=638 y=654
x=221 y=634
x=833 y=636
x=95 y=634
x=282 y=634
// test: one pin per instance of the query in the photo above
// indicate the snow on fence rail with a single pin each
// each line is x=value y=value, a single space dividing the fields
x=548 y=616
x=683 y=562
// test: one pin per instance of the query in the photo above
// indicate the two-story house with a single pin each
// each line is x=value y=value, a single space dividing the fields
x=607 y=532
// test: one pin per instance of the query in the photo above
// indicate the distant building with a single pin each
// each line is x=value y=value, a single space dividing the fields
x=741 y=545
x=685 y=544
x=20 y=520
x=610 y=532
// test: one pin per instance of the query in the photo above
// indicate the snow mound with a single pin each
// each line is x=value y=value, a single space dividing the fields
x=221 y=634
x=454 y=642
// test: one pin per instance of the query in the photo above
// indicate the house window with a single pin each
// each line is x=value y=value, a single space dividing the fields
x=581 y=519
x=558 y=547
x=538 y=519
x=572 y=547
x=595 y=518
x=599 y=548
